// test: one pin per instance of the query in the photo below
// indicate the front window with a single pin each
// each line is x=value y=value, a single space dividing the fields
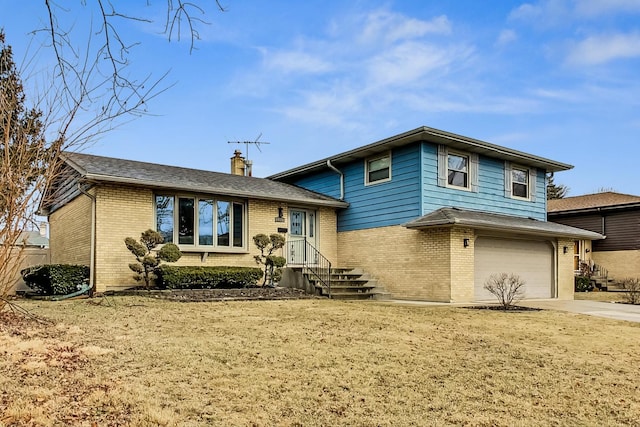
x=458 y=170
x=205 y=223
x=378 y=169
x=520 y=182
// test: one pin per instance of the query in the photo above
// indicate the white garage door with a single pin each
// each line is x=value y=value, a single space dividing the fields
x=531 y=260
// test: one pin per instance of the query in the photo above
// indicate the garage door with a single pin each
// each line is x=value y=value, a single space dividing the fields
x=531 y=260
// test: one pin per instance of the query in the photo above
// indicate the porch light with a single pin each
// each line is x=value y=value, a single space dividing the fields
x=565 y=249
x=465 y=242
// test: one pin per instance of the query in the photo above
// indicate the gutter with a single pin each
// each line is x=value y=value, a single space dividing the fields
x=92 y=261
x=336 y=170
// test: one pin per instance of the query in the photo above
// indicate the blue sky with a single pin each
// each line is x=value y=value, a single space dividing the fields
x=555 y=78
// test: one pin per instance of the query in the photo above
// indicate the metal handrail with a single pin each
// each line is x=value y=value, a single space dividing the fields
x=592 y=268
x=302 y=253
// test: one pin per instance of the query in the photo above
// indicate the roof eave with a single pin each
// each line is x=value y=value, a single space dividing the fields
x=437 y=136
x=588 y=235
x=95 y=178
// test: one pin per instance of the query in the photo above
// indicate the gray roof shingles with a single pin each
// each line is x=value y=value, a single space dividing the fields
x=490 y=221
x=108 y=169
x=590 y=201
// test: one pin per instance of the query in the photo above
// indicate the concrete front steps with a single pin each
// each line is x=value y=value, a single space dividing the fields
x=349 y=284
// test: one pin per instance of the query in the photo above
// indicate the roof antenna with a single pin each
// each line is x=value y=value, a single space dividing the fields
x=248 y=163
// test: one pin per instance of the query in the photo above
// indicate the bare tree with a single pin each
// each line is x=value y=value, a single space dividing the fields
x=89 y=92
x=507 y=288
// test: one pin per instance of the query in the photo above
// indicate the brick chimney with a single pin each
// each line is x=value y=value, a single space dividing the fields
x=237 y=164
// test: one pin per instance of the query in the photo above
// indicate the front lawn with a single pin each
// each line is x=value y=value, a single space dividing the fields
x=138 y=361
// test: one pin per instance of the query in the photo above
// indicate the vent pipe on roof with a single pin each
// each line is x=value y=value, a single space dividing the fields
x=336 y=170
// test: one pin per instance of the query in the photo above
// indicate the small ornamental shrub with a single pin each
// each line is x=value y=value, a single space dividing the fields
x=56 y=279
x=507 y=288
x=148 y=258
x=272 y=263
x=632 y=288
x=185 y=277
x=583 y=284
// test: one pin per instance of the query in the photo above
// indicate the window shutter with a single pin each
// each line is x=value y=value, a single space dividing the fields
x=507 y=179
x=442 y=166
x=473 y=171
x=533 y=175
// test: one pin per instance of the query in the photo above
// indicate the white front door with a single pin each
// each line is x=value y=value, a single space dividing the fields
x=302 y=228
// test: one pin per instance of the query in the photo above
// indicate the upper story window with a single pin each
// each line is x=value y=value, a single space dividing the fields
x=201 y=222
x=378 y=169
x=520 y=182
x=457 y=170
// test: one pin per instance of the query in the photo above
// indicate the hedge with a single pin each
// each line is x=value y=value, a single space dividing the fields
x=56 y=279
x=185 y=277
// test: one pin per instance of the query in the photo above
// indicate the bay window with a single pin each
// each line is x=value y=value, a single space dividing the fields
x=201 y=223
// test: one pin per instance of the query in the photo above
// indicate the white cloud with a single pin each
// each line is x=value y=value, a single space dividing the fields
x=594 y=8
x=287 y=62
x=506 y=37
x=388 y=27
x=545 y=13
x=600 y=49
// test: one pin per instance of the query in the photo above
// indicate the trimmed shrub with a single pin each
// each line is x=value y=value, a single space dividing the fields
x=583 y=284
x=184 y=277
x=56 y=279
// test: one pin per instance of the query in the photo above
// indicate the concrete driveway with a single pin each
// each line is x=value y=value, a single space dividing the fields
x=609 y=310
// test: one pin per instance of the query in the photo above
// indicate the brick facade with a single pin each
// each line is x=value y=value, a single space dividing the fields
x=411 y=264
x=123 y=211
x=70 y=232
x=620 y=264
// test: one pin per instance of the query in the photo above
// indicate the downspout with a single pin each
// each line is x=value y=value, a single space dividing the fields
x=92 y=262
x=336 y=170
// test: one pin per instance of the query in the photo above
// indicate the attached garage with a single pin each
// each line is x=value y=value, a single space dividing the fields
x=532 y=260
x=481 y=244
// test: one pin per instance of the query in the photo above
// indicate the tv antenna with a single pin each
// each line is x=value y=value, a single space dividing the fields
x=248 y=163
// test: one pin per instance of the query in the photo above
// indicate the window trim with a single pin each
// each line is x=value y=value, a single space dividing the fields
x=532 y=177
x=458 y=154
x=368 y=160
x=196 y=247
x=473 y=166
x=527 y=172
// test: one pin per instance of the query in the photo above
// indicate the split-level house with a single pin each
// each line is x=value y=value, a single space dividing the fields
x=609 y=213
x=429 y=214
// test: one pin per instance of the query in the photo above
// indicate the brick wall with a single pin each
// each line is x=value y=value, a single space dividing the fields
x=462 y=264
x=621 y=264
x=565 y=269
x=126 y=212
x=411 y=264
x=70 y=232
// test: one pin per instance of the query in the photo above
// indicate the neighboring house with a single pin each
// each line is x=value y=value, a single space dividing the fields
x=31 y=248
x=615 y=215
x=96 y=202
x=430 y=214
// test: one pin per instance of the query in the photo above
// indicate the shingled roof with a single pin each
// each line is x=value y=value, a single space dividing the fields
x=591 y=201
x=444 y=217
x=111 y=170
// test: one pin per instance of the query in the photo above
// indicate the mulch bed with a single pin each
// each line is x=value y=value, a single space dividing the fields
x=202 y=295
x=512 y=309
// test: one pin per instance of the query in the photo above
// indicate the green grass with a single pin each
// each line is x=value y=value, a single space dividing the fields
x=315 y=362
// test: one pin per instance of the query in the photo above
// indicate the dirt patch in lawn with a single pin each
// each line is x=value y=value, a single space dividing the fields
x=510 y=309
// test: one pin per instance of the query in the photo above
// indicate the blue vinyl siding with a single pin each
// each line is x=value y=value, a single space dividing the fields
x=325 y=182
x=389 y=203
x=413 y=190
x=490 y=196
